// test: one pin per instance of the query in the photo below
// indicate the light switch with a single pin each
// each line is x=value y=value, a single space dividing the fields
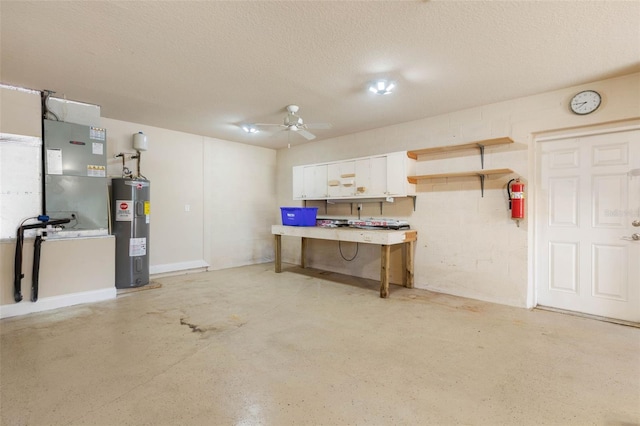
x=187 y=208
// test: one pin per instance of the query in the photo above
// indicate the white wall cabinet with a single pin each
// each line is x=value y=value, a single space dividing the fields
x=315 y=181
x=367 y=177
x=364 y=175
x=298 y=185
x=310 y=182
x=341 y=179
x=396 y=184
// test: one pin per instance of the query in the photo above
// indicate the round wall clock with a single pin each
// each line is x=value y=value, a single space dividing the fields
x=585 y=102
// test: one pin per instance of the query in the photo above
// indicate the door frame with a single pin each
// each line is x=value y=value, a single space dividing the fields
x=549 y=136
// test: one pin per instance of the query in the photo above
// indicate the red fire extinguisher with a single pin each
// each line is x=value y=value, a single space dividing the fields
x=516 y=199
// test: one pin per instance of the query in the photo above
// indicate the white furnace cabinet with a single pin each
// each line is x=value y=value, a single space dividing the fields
x=367 y=177
x=75 y=175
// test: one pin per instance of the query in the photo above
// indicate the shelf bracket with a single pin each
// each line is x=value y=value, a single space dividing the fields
x=482 y=184
x=481 y=147
x=414 y=202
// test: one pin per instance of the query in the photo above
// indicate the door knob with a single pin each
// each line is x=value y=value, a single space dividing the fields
x=636 y=222
x=635 y=237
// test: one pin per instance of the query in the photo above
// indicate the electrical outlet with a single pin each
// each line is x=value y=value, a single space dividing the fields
x=187 y=208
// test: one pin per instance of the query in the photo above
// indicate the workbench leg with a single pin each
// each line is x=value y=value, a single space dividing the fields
x=408 y=252
x=278 y=253
x=385 y=254
x=303 y=252
x=404 y=264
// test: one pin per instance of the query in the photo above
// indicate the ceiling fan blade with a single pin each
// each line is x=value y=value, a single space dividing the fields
x=318 y=126
x=307 y=135
x=269 y=125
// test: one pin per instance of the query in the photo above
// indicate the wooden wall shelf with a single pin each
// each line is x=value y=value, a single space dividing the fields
x=415 y=179
x=442 y=149
x=471 y=145
x=482 y=174
x=480 y=145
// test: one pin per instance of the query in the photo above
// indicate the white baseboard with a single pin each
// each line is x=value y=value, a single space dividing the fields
x=180 y=266
x=55 y=302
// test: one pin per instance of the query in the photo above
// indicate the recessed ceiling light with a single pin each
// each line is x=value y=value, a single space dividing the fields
x=382 y=87
x=249 y=128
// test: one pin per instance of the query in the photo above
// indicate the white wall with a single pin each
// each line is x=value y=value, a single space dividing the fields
x=229 y=188
x=467 y=245
x=240 y=200
x=174 y=165
x=71 y=271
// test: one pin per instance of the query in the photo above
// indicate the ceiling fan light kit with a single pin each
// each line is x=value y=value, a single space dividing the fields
x=293 y=122
x=382 y=87
x=249 y=128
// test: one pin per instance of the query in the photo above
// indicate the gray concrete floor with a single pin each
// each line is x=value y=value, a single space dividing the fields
x=246 y=346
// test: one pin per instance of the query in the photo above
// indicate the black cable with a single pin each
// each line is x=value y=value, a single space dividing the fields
x=340 y=249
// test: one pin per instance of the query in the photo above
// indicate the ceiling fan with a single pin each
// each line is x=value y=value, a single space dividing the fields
x=294 y=123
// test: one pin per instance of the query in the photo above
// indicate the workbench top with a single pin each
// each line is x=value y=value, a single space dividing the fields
x=356 y=235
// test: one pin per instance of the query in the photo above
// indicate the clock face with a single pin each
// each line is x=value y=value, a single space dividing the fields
x=585 y=102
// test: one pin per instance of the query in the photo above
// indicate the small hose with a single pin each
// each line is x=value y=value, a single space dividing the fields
x=509 y=191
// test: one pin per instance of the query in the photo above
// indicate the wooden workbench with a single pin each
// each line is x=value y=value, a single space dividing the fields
x=384 y=237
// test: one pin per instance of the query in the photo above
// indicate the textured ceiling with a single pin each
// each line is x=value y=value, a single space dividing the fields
x=207 y=67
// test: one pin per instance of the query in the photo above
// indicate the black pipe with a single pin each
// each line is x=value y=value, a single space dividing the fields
x=43 y=154
x=17 y=266
x=37 y=246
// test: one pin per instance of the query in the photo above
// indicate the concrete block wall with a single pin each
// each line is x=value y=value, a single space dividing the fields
x=467 y=244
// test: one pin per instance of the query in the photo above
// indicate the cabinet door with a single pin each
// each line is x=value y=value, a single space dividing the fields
x=315 y=181
x=341 y=179
x=379 y=177
x=363 y=177
x=396 y=174
x=298 y=182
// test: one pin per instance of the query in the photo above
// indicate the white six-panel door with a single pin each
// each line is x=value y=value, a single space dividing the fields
x=587 y=212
